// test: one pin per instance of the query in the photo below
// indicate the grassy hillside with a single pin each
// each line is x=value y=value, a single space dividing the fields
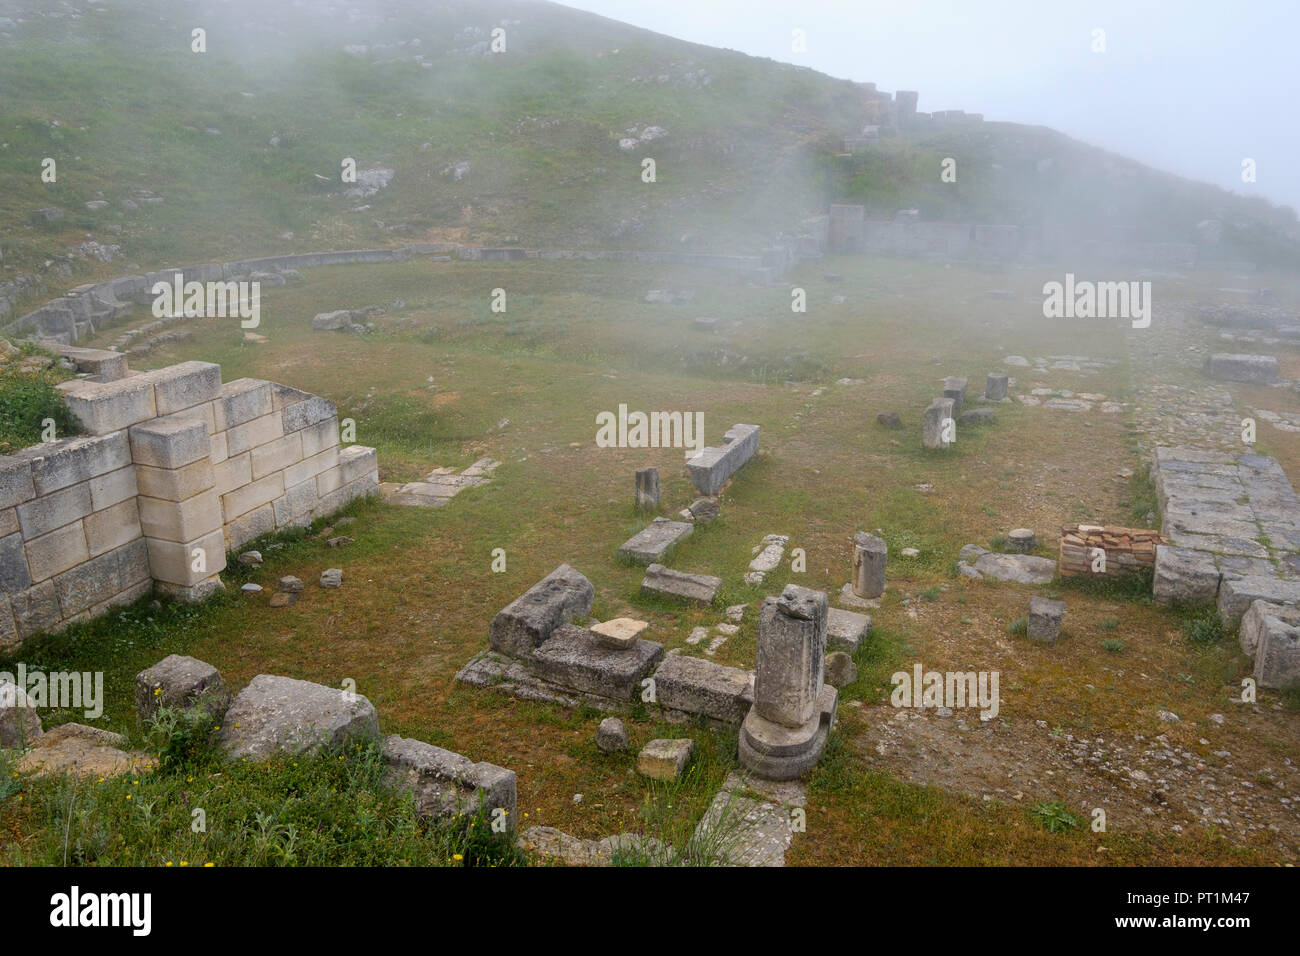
x=243 y=143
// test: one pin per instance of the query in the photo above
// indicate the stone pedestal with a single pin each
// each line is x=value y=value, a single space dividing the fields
x=869 y=555
x=786 y=729
x=995 y=387
x=934 y=423
x=647 y=489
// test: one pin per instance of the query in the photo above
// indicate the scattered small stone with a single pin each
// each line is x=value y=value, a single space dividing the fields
x=331 y=578
x=890 y=420
x=1045 y=619
x=1168 y=716
x=339 y=542
x=290 y=583
x=251 y=558
x=251 y=588
x=1022 y=540
x=736 y=613
x=283 y=598
x=911 y=552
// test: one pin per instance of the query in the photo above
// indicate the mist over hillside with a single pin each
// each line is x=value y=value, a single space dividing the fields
x=238 y=150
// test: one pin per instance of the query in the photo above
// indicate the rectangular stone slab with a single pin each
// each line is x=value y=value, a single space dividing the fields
x=700 y=588
x=846 y=630
x=696 y=686
x=572 y=657
x=653 y=542
x=711 y=468
x=528 y=620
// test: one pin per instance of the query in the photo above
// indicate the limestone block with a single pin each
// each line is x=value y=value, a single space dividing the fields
x=250 y=434
x=42 y=515
x=14 y=576
x=234 y=472
x=241 y=401
x=530 y=619
x=665 y=759
x=175 y=484
x=16 y=484
x=113 y=488
x=276 y=455
x=870 y=555
x=308 y=412
x=112 y=527
x=309 y=468
x=697 y=588
x=1185 y=576
x=96 y=581
x=53 y=553
x=295 y=507
x=253 y=524
x=694 y=685
x=320 y=437
x=446 y=784
x=59 y=464
x=274 y=715
x=182 y=682
x=104 y=407
x=188 y=563
x=253 y=495
x=185 y=385
x=36 y=610
x=356 y=461
x=169 y=442
x=181 y=521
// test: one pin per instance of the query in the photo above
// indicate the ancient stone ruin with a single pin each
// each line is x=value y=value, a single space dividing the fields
x=175 y=469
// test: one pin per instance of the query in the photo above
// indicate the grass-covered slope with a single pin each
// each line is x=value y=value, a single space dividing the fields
x=244 y=142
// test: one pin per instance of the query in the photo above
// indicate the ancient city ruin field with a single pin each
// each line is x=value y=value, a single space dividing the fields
x=1132 y=710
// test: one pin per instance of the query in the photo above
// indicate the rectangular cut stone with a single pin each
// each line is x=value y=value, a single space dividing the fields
x=320 y=437
x=525 y=623
x=1236 y=594
x=112 y=527
x=276 y=455
x=174 y=563
x=295 y=507
x=788 y=675
x=446 y=784
x=846 y=630
x=180 y=521
x=8 y=521
x=935 y=424
x=233 y=473
x=955 y=389
x=699 y=588
x=169 y=442
x=93 y=582
x=16 y=484
x=36 y=610
x=309 y=468
x=620 y=633
x=182 y=386
x=711 y=468
x=253 y=495
x=1243 y=368
x=58 y=464
x=100 y=408
x=357 y=461
x=652 y=543
x=258 y=431
x=113 y=488
x=573 y=658
x=995 y=387
x=241 y=401
x=694 y=685
x=1185 y=576
x=253 y=524
x=42 y=515
x=56 y=552
x=310 y=411
x=1272 y=632
x=14 y=575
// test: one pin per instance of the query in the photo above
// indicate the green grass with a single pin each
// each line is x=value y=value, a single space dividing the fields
x=28 y=400
x=332 y=808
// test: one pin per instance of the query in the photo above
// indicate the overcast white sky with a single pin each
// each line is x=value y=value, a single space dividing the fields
x=1188 y=86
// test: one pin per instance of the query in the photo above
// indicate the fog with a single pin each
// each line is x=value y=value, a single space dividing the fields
x=1192 y=88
